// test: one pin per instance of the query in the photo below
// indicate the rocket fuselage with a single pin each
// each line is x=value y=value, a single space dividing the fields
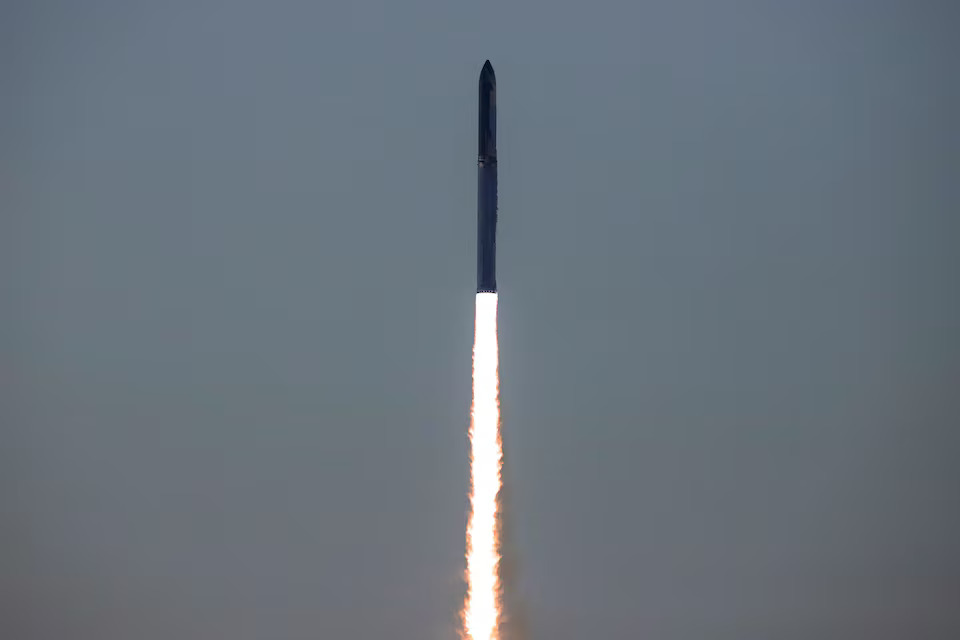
x=487 y=182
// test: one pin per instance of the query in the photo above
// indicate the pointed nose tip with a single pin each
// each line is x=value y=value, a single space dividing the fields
x=487 y=71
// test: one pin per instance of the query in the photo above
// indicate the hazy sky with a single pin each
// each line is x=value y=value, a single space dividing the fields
x=237 y=271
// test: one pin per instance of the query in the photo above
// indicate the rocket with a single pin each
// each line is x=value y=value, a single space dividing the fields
x=487 y=182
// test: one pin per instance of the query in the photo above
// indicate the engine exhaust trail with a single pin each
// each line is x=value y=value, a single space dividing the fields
x=482 y=606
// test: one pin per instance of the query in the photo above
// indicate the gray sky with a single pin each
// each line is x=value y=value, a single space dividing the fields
x=237 y=278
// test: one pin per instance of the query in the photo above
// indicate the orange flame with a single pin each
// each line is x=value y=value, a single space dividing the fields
x=481 y=612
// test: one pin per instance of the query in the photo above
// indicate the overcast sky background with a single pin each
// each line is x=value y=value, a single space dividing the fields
x=237 y=269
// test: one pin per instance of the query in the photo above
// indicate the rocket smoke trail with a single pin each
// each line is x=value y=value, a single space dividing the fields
x=482 y=608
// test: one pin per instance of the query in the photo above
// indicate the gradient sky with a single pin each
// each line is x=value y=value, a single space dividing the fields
x=237 y=270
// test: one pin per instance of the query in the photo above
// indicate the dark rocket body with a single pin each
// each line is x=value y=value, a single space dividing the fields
x=487 y=182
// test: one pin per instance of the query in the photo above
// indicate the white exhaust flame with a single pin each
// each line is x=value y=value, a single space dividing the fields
x=482 y=606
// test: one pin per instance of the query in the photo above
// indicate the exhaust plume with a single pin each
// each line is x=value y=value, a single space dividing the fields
x=482 y=607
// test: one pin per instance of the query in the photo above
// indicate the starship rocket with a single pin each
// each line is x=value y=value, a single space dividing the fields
x=487 y=183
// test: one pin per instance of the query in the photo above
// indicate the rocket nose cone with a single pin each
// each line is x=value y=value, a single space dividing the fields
x=487 y=129
x=487 y=73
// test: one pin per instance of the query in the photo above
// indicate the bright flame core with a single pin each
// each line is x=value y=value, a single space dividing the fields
x=482 y=607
